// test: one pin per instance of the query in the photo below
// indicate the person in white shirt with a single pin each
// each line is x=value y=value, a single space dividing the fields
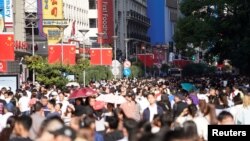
x=64 y=102
x=153 y=109
x=23 y=104
x=8 y=108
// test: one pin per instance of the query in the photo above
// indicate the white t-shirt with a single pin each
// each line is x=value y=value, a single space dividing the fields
x=3 y=120
x=152 y=112
x=24 y=103
x=65 y=103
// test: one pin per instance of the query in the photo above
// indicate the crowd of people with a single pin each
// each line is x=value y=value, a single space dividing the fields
x=156 y=109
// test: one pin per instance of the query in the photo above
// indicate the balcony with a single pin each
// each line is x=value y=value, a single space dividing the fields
x=132 y=15
x=172 y=4
x=139 y=37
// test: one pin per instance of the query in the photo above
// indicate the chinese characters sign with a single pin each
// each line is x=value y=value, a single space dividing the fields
x=52 y=9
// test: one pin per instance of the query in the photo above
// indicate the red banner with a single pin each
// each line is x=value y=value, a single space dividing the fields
x=96 y=59
x=3 y=66
x=181 y=63
x=146 y=59
x=67 y=50
x=105 y=21
x=159 y=55
x=69 y=54
x=7 y=47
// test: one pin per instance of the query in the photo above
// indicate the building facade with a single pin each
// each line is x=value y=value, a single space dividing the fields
x=163 y=17
x=132 y=23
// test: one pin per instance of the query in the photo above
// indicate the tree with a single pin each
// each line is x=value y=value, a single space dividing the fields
x=220 y=27
x=48 y=74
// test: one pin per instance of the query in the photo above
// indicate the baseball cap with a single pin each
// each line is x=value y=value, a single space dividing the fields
x=65 y=131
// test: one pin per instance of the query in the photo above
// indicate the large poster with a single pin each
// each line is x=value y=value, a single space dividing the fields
x=8 y=13
x=52 y=9
x=9 y=81
x=105 y=21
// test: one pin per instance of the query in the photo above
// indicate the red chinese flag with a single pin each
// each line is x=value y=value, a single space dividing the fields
x=54 y=54
x=7 y=47
x=69 y=54
x=107 y=56
x=3 y=66
x=95 y=56
x=147 y=59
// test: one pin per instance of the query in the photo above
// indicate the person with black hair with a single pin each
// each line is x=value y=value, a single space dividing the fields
x=225 y=118
x=153 y=109
x=22 y=127
x=6 y=133
x=130 y=130
x=51 y=106
x=37 y=119
x=44 y=100
x=112 y=133
x=23 y=103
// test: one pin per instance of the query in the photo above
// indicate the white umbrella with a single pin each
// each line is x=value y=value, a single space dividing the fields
x=75 y=84
x=111 y=98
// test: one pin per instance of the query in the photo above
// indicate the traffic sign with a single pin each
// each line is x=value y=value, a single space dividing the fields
x=116 y=64
x=127 y=72
x=127 y=64
x=115 y=71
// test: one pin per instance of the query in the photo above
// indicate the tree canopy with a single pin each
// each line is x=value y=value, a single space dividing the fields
x=222 y=28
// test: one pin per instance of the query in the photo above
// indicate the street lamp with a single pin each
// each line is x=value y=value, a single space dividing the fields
x=33 y=24
x=84 y=31
x=126 y=46
x=100 y=35
x=145 y=69
x=62 y=27
x=115 y=38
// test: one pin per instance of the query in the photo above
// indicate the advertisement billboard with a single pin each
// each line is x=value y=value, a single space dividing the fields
x=8 y=13
x=1 y=23
x=52 y=9
x=53 y=34
x=105 y=21
x=9 y=81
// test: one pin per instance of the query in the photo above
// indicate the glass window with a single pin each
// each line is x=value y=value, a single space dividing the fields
x=92 y=23
x=92 y=4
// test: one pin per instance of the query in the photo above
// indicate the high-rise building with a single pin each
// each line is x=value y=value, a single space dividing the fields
x=126 y=19
x=163 y=17
x=131 y=22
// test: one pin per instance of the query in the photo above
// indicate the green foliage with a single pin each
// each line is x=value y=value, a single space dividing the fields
x=220 y=27
x=97 y=73
x=136 y=71
x=35 y=62
x=197 y=69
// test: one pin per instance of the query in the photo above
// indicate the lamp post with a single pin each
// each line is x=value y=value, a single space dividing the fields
x=84 y=72
x=100 y=35
x=62 y=27
x=115 y=38
x=145 y=69
x=33 y=25
x=126 y=47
